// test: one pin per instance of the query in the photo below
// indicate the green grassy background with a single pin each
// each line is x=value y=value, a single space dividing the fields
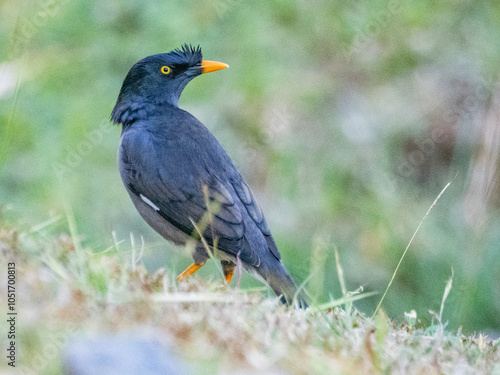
x=346 y=119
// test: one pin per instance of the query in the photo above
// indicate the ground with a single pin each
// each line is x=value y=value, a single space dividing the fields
x=66 y=292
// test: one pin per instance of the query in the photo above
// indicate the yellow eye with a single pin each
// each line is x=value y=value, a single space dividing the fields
x=166 y=69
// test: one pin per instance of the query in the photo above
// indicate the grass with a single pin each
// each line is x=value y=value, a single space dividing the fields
x=66 y=290
x=407 y=247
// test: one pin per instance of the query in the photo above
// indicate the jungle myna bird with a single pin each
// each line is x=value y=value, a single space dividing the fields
x=182 y=181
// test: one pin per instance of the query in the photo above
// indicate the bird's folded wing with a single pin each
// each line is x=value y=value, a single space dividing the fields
x=253 y=209
x=211 y=207
x=186 y=199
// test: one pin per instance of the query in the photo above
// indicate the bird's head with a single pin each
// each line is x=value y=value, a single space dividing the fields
x=159 y=80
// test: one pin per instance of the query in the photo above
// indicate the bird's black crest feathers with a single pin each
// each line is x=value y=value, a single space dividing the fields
x=187 y=54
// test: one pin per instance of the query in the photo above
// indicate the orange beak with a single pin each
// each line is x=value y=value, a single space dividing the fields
x=212 y=66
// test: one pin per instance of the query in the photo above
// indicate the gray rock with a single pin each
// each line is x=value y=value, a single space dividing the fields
x=122 y=355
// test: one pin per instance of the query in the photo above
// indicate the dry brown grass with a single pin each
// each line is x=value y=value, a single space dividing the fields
x=63 y=292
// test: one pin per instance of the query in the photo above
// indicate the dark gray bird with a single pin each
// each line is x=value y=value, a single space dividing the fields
x=182 y=181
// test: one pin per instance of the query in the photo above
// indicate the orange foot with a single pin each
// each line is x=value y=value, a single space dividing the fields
x=189 y=271
x=228 y=268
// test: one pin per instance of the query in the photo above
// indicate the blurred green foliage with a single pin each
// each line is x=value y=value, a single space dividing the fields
x=347 y=119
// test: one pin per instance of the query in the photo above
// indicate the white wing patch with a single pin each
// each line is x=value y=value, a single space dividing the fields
x=149 y=203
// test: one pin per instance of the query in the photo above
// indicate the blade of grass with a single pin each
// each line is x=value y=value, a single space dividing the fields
x=45 y=224
x=134 y=259
x=73 y=232
x=445 y=295
x=193 y=297
x=207 y=248
x=6 y=142
x=212 y=208
x=79 y=261
x=319 y=255
x=340 y=301
x=340 y=275
x=408 y=246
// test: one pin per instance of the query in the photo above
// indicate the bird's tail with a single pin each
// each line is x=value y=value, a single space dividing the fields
x=283 y=285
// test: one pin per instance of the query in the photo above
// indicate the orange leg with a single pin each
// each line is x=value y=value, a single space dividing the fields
x=229 y=275
x=189 y=271
x=228 y=268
